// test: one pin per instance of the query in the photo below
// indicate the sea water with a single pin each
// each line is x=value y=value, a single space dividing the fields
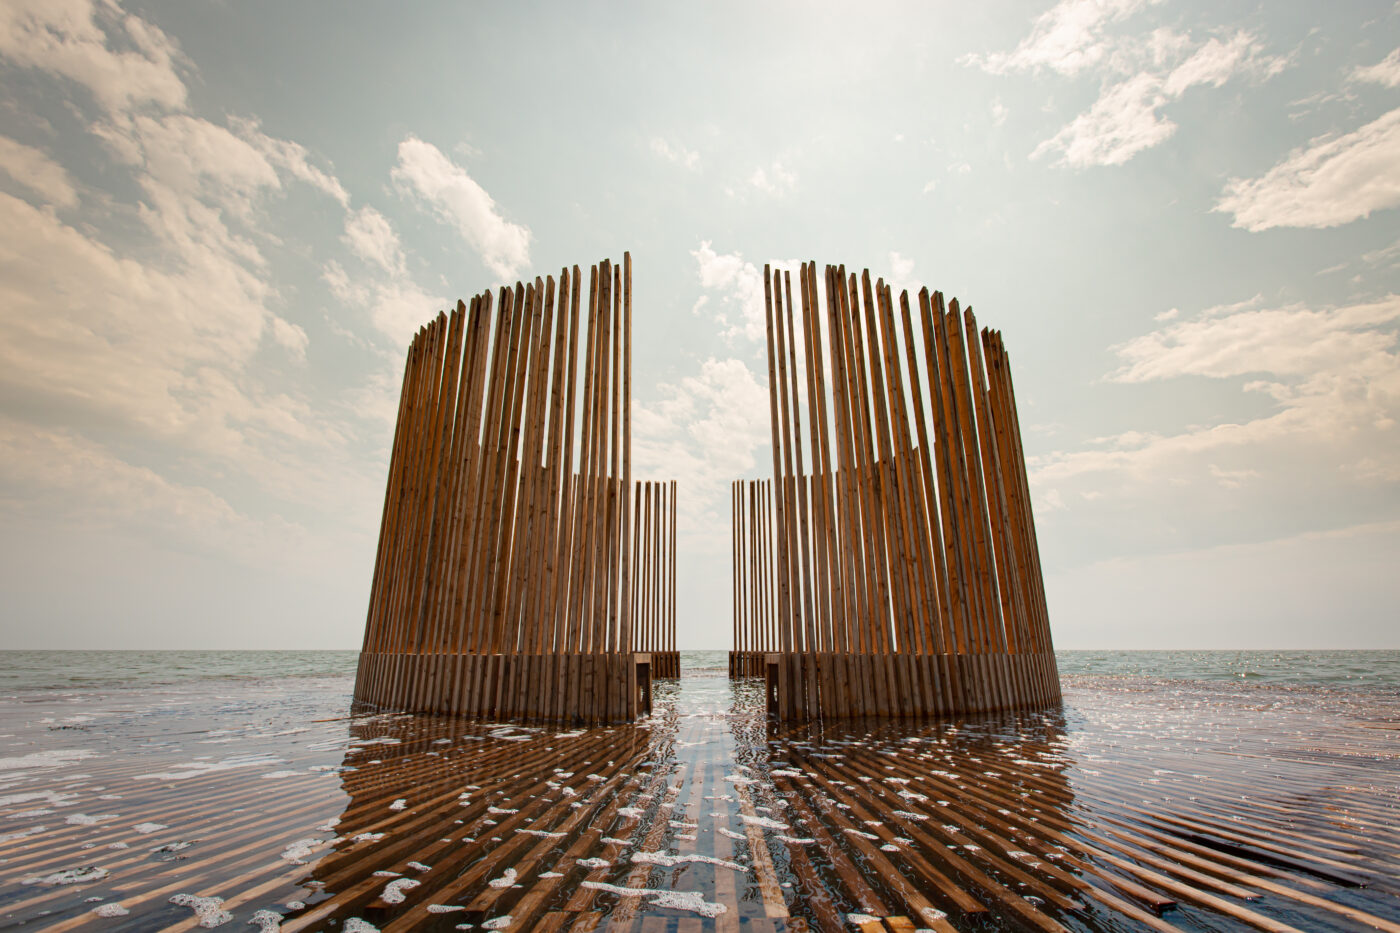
x=29 y=670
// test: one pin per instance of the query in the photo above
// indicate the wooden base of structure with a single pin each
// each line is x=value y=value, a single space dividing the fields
x=833 y=685
x=665 y=664
x=575 y=688
x=747 y=664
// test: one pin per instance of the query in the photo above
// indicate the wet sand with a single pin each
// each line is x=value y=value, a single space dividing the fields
x=1140 y=805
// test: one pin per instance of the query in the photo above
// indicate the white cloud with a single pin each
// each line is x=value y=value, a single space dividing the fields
x=456 y=199
x=62 y=472
x=901 y=267
x=36 y=171
x=1215 y=63
x=1385 y=72
x=1067 y=39
x=774 y=180
x=740 y=311
x=291 y=157
x=704 y=432
x=75 y=39
x=290 y=337
x=396 y=305
x=1121 y=123
x=1329 y=182
x=1332 y=376
x=901 y=276
x=1126 y=118
x=999 y=112
x=686 y=158
x=1285 y=342
x=1140 y=73
x=163 y=334
x=371 y=237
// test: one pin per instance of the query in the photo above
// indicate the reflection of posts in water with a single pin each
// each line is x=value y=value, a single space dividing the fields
x=900 y=575
x=937 y=824
x=461 y=811
x=504 y=578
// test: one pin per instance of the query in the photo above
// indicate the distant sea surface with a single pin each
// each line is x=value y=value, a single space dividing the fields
x=30 y=670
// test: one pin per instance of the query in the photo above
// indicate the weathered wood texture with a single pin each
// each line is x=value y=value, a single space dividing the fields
x=899 y=574
x=504 y=578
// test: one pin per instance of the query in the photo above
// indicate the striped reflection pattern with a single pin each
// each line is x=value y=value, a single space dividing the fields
x=890 y=568
x=504 y=582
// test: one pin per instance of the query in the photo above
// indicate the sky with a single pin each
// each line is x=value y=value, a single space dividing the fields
x=220 y=224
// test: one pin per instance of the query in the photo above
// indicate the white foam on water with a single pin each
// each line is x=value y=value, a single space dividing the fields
x=393 y=891
x=445 y=908
x=28 y=813
x=726 y=831
x=296 y=852
x=267 y=921
x=551 y=874
x=9 y=837
x=399 y=804
x=795 y=841
x=70 y=876
x=688 y=900
x=541 y=833
x=82 y=819
x=356 y=925
x=764 y=822
x=110 y=910
x=592 y=863
x=500 y=811
x=48 y=796
x=419 y=866
x=149 y=827
x=208 y=910
x=281 y=774
x=170 y=847
x=386 y=873
x=52 y=758
x=367 y=837
x=630 y=812
x=505 y=881
x=670 y=861
x=500 y=923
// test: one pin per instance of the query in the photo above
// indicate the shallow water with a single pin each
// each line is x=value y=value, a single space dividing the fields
x=263 y=793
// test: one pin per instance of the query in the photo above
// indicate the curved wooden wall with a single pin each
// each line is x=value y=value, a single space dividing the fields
x=504 y=579
x=900 y=574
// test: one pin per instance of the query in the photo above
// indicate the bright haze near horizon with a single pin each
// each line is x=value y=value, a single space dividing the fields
x=220 y=224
